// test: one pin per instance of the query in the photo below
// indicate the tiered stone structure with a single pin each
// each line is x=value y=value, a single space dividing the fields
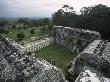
x=18 y=66
x=74 y=39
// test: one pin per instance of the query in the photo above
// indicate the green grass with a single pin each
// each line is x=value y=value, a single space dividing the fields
x=60 y=54
x=13 y=34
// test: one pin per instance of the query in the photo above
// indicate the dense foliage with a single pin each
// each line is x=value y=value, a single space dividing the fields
x=23 y=29
x=3 y=22
x=20 y=36
x=27 y=23
x=65 y=16
x=32 y=31
x=2 y=30
x=94 y=18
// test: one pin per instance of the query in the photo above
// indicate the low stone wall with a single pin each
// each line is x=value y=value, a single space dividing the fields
x=74 y=39
x=38 y=44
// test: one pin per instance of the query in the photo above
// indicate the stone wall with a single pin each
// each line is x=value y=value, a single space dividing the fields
x=38 y=44
x=74 y=39
x=17 y=66
x=20 y=66
x=95 y=55
x=89 y=74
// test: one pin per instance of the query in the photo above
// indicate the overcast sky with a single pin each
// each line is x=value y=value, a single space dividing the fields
x=42 y=8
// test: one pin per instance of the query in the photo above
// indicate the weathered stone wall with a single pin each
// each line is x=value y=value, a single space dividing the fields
x=74 y=39
x=89 y=74
x=24 y=67
x=38 y=44
x=95 y=52
x=17 y=66
x=94 y=55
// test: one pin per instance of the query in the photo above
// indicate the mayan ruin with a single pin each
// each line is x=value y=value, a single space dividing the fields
x=17 y=65
x=54 y=40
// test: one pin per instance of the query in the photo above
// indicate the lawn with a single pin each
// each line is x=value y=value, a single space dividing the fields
x=60 y=54
x=13 y=34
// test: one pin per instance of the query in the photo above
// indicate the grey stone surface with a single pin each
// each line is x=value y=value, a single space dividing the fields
x=93 y=55
x=74 y=39
x=92 y=63
x=89 y=74
x=38 y=44
x=18 y=66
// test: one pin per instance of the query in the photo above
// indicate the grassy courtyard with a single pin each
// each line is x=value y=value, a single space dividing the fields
x=60 y=54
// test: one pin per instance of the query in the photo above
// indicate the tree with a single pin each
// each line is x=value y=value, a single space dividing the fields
x=3 y=22
x=96 y=18
x=66 y=16
x=32 y=31
x=2 y=30
x=24 y=23
x=20 y=36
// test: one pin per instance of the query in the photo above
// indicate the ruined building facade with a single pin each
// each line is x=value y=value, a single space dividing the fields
x=92 y=64
x=74 y=39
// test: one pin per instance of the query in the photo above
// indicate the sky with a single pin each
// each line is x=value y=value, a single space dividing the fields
x=42 y=8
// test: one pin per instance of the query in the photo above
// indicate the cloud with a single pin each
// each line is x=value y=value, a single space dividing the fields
x=39 y=8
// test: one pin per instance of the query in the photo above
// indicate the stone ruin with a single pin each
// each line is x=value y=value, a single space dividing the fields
x=74 y=39
x=38 y=44
x=18 y=66
x=92 y=64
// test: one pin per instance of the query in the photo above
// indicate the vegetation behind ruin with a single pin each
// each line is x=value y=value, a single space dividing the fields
x=96 y=18
x=25 y=30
